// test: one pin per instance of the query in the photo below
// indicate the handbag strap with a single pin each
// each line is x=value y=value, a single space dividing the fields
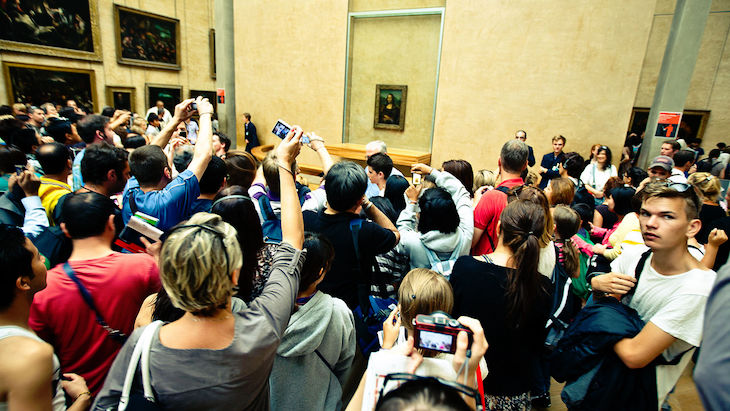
x=141 y=356
x=114 y=334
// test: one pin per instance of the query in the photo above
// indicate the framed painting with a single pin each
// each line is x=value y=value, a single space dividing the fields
x=169 y=95
x=146 y=39
x=34 y=84
x=210 y=95
x=390 y=107
x=211 y=41
x=692 y=125
x=121 y=98
x=61 y=28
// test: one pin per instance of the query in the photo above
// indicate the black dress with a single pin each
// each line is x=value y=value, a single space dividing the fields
x=479 y=292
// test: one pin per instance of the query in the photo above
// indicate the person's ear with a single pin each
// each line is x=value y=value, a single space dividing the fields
x=111 y=175
x=65 y=230
x=110 y=226
x=693 y=228
x=168 y=173
x=23 y=283
x=235 y=275
x=69 y=164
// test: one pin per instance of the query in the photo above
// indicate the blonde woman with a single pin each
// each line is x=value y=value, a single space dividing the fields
x=212 y=358
x=709 y=188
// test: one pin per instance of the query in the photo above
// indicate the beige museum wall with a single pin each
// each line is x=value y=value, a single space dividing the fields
x=711 y=78
x=196 y=18
x=397 y=51
x=564 y=67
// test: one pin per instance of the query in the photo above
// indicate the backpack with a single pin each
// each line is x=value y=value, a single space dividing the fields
x=272 y=223
x=372 y=310
x=443 y=267
x=564 y=306
x=505 y=190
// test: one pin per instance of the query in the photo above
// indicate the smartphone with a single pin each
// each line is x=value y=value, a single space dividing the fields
x=438 y=332
x=416 y=179
x=193 y=106
x=182 y=133
x=19 y=168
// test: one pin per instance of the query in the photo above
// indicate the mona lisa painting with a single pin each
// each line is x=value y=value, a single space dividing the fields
x=390 y=107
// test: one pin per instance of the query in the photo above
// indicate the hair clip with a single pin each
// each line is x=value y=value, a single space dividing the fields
x=413 y=296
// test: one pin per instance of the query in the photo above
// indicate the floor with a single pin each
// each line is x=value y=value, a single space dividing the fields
x=684 y=398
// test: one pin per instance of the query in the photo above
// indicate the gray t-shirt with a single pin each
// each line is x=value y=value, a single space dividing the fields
x=234 y=378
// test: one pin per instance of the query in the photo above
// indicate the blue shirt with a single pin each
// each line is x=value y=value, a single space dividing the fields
x=170 y=205
x=78 y=180
x=200 y=205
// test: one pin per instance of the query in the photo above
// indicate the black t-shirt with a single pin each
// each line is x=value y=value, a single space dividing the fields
x=724 y=250
x=609 y=217
x=344 y=276
x=708 y=215
x=479 y=292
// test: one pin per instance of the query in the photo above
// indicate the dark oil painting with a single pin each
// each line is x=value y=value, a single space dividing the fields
x=54 y=23
x=40 y=84
x=147 y=39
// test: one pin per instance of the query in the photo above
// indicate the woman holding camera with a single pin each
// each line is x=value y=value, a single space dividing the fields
x=506 y=293
x=212 y=358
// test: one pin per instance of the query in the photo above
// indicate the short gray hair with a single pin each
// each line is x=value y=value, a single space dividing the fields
x=378 y=143
x=514 y=156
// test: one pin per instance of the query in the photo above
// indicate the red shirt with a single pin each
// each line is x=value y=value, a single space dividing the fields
x=118 y=283
x=486 y=215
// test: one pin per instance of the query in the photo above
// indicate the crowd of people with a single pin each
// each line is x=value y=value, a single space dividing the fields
x=148 y=263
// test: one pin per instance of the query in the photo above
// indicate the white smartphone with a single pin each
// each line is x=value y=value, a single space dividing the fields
x=416 y=179
x=281 y=129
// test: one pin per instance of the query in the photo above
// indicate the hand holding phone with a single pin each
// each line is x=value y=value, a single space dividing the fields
x=281 y=129
x=416 y=179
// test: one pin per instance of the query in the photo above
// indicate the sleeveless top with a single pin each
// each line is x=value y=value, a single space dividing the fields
x=59 y=402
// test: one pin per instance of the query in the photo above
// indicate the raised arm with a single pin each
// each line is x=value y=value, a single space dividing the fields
x=379 y=218
x=317 y=144
x=204 y=145
x=182 y=113
x=292 y=225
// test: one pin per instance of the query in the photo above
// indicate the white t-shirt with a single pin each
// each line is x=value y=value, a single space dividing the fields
x=678 y=176
x=675 y=304
x=593 y=176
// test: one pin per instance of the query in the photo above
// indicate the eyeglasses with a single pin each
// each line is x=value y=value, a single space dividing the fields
x=401 y=377
x=679 y=187
x=204 y=227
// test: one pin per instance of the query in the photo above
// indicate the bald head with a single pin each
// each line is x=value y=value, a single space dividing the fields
x=375 y=147
x=54 y=158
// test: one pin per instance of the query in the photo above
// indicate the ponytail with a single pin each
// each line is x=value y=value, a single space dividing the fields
x=567 y=224
x=522 y=224
x=572 y=258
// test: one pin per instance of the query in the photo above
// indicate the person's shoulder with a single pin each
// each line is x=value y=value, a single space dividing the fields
x=698 y=281
x=23 y=353
x=139 y=259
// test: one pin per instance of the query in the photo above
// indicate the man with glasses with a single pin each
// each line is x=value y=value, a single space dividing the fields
x=672 y=289
x=522 y=136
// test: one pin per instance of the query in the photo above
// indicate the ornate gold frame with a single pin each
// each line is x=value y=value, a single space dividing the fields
x=145 y=63
x=147 y=94
x=110 y=90
x=9 y=84
x=8 y=45
x=402 y=119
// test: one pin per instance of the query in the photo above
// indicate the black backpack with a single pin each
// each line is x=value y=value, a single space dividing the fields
x=565 y=305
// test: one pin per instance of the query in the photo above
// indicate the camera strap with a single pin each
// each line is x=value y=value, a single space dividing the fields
x=114 y=334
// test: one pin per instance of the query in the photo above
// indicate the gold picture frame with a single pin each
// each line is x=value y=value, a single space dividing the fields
x=25 y=84
x=169 y=94
x=133 y=49
x=48 y=49
x=390 y=114
x=116 y=96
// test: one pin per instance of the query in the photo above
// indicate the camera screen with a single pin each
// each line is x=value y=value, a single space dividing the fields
x=281 y=130
x=435 y=341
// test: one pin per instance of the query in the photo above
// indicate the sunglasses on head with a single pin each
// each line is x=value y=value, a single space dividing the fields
x=220 y=236
x=401 y=377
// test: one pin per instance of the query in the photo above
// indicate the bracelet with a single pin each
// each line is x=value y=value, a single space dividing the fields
x=412 y=202
x=207 y=112
x=83 y=393
x=366 y=206
x=288 y=169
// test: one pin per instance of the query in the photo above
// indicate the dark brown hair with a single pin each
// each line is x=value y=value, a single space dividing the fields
x=461 y=169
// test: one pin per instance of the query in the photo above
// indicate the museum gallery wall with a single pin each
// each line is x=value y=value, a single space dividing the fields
x=116 y=53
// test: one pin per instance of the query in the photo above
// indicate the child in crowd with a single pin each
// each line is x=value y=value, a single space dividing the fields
x=318 y=345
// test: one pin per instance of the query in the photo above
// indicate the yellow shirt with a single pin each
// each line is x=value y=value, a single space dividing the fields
x=50 y=192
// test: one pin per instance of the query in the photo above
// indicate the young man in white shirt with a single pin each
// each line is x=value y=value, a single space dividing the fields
x=673 y=288
x=379 y=168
